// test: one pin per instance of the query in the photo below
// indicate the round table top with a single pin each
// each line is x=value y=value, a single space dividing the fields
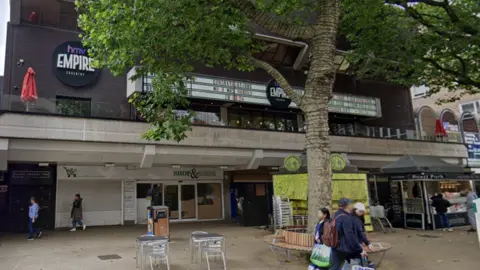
x=270 y=239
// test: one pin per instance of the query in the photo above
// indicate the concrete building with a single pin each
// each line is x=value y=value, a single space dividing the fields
x=82 y=136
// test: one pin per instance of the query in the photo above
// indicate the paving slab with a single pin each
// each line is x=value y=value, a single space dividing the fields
x=113 y=248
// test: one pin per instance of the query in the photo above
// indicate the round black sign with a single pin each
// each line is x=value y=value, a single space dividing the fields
x=72 y=65
x=276 y=96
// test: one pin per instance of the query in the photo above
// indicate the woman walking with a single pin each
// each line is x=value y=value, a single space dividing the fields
x=76 y=213
x=32 y=218
x=323 y=217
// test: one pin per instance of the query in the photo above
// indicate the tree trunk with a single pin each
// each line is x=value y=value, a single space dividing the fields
x=318 y=91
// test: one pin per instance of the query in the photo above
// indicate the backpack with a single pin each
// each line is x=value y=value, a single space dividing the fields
x=330 y=234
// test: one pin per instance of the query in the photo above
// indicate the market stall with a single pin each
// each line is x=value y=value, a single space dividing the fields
x=418 y=179
x=292 y=186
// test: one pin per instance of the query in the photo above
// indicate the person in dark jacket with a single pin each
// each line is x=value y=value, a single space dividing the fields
x=349 y=243
x=359 y=222
x=441 y=206
x=76 y=213
x=323 y=216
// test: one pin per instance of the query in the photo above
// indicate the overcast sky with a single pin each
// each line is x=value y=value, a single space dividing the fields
x=4 y=18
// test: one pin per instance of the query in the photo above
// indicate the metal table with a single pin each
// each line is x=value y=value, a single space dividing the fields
x=208 y=237
x=141 y=240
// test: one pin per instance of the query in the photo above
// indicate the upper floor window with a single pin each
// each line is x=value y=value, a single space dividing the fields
x=262 y=120
x=73 y=106
x=472 y=107
x=419 y=91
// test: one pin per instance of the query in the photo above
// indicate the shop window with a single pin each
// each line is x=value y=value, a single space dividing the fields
x=291 y=124
x=280 y=123
x=268 y=122
x=73 y=106
x=209 y=200
x=142 y=190
x=257 y=120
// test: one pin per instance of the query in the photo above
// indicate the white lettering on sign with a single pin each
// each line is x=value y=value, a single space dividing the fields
x=277 y=92
x=74 y=61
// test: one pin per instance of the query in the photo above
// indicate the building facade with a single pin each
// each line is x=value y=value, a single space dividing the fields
x=82 y=135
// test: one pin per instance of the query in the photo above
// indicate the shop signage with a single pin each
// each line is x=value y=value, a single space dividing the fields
x=396 y=200
x=129 y=197
x=337 y=162
x=292 y=163
x=194 y=173
x=357 y=105
x=414 y=220
x=224 y=89
x=434 y=176
x=450 y=127
x=73 y=66
x=71 y=172
x=472 y=140
x=277 y=96
x=30 y=174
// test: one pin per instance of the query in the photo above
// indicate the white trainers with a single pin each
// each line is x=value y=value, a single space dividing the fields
x=450 y=230
x=73 y=230
x=84 y=227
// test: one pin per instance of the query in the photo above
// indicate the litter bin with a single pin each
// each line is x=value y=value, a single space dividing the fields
x=158 y=221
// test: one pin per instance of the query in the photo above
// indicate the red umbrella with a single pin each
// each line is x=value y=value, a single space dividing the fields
x=29 y=87
x=439 y=129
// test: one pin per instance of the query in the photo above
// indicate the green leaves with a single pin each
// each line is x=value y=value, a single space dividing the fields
x=433 y=43
x=165 y=38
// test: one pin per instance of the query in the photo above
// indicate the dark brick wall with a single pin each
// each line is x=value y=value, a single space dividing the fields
x=35 y=45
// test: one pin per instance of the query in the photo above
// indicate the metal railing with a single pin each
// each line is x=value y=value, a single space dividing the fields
x=85 y=108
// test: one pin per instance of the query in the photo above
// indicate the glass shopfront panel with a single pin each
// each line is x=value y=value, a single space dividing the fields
x=209 y=200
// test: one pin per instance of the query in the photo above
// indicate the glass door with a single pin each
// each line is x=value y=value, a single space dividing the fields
x=172 y=200
x=181 y=200
x=188 y=202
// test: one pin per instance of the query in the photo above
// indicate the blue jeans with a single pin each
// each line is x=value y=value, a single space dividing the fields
x=75 y=222
x=338 y=260
x=32 y=229
x=444 y=222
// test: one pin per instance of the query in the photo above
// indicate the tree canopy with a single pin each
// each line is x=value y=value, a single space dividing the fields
x=431 y=42
x=428 y=42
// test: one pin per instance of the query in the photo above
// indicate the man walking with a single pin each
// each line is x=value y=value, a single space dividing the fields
x=471 y=196
x=32 y=218
x=441 y=206
x=76 y=213
x=349 y=242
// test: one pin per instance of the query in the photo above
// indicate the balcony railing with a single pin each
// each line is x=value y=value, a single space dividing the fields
x=76 y=107
x=50 y=13
x=85 y=108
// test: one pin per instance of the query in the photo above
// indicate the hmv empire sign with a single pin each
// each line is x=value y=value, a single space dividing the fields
x=73 y=66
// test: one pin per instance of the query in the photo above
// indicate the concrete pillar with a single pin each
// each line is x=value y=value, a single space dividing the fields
x=224 y=115
x=148 y=156
x=257 y=158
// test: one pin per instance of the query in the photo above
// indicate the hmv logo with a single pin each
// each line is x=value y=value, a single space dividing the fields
x=73 y=66
x=74 y=50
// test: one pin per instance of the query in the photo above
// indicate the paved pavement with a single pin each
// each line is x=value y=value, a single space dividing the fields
x=64 y=250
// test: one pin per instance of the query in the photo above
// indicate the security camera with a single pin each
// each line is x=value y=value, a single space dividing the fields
x=20 y=62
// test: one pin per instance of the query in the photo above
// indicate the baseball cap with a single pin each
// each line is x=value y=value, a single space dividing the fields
x=359 y=206
x=344 y=202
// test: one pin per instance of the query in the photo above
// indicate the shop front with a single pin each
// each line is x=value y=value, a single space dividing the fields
x=121 y=195
x=417 y=179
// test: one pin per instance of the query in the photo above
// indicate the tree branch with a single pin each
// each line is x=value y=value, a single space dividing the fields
x=447 y=7
x=273 y=24
x=294 y=96
x=461 y=78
